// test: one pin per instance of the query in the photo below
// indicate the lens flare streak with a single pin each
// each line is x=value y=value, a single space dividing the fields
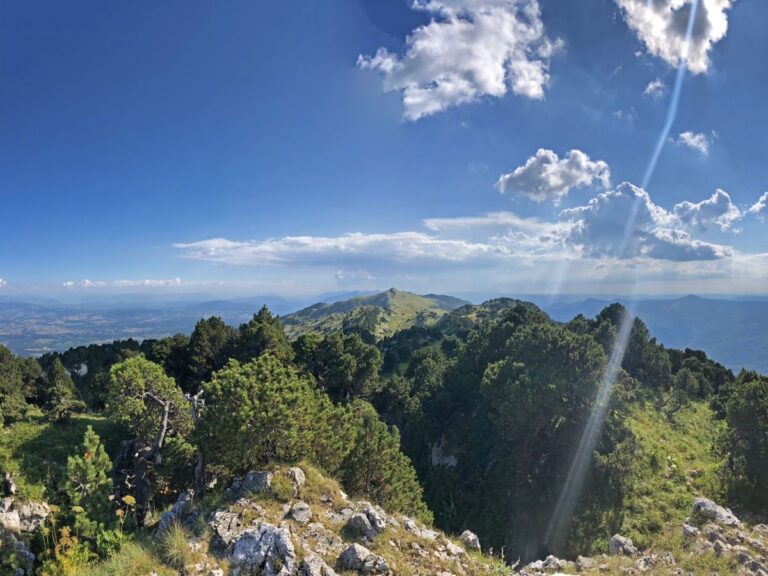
x=569 y=496
x=566 y=503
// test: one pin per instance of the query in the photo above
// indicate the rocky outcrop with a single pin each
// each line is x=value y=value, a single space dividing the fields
x=25 y=517
x=17 y=523
x=226 y=526
x=360 y=559
x=704 y=510
x=266 y=550
x=369 y=523
x=319 y=531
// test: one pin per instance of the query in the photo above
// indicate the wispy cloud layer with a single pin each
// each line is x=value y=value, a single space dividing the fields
x=655 y=89
x=147 y=283
x=545 y=176
x=471 y=48
x=324 y=250
x=661 y=25
x=760 y=208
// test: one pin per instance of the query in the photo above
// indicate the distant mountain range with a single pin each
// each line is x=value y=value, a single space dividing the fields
x=733 y=332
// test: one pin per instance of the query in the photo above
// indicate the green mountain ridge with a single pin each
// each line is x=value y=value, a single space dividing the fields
x=380 y=315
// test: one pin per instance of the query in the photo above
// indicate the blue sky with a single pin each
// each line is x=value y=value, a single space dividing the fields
x=442 y=145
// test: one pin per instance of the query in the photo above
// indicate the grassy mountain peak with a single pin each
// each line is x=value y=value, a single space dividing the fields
x=380 y=314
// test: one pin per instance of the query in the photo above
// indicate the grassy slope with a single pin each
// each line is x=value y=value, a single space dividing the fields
x=678 y=463
x=35 y=451
x=382 y=314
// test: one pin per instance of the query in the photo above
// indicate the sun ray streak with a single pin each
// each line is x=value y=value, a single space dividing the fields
x=574 y=483
x=568 y=499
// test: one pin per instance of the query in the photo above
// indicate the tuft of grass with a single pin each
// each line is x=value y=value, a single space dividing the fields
x=282 y=487
x=133 y=559
x=175 y=548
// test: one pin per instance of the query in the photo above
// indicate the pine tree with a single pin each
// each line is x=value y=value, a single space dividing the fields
x=263 y=333
x=12 y=403
x=62 y=401
x=88 y=486
x=377 y=469
x=256 y=413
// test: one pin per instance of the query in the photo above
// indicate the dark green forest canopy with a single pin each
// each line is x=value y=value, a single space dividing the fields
x=472 y=418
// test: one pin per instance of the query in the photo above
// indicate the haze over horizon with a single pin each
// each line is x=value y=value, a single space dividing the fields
x=453 y=146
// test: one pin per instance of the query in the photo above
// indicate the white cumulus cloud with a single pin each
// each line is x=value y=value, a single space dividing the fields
x=625 y=223
x=695 y=141
x=545 y=176
x=661 y=25
x=3 y=283
x=470 y=49
x=717 y=209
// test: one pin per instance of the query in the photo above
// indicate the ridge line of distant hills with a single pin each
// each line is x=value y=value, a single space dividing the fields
x=731 y=331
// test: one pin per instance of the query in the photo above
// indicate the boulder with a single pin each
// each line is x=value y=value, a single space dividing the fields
x=314 y=566
x=256 y=482
x=8 y=485
x=297 y=475
x=583 y=563
x=454 y=550
x=180 y=510
x=300 y=512
x=32 y=515
x=266 y=550
x=550 y=564
x=10 y=521
x=470 y=540
x=620 y=546
x=412 y=527
x=706 y=510
x=359 y=525
x=376 y=517
x=359 y=558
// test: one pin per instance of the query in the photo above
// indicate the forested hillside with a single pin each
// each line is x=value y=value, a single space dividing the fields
x=467 y=421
